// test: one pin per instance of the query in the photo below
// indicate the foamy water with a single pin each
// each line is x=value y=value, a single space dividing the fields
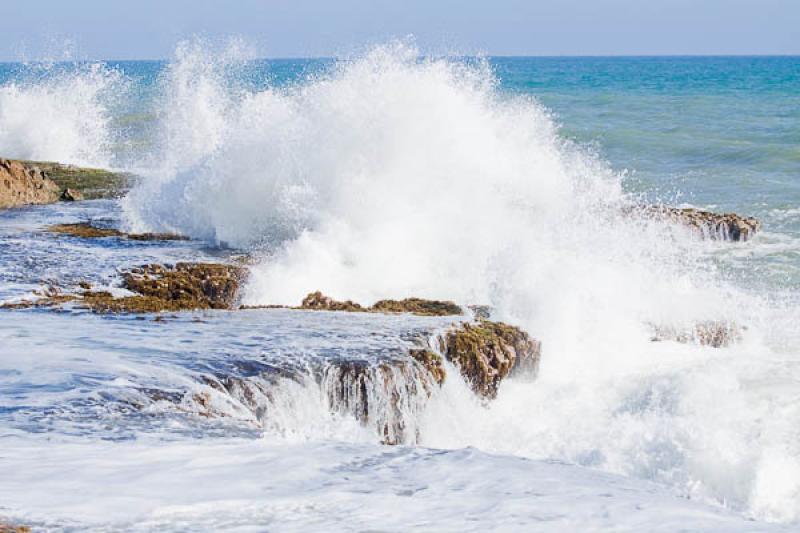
x=391 y=176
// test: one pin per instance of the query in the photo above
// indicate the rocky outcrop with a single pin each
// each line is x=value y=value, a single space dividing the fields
x=487 y=352
x=319 y=302
x=708 y=225
x=25 y=185
x=417 y=306
x=716 y=334
x=187 y=285
x=87 y=230
x=90 y=183
x=35 y=182
x=182 y=287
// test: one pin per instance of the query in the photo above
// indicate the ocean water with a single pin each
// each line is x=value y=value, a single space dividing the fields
x=499 y=181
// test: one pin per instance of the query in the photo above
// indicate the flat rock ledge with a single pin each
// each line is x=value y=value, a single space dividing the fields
x=86 y=230
x=182 y=287
x=319 y=302
x=716 y=334
x=706 y=224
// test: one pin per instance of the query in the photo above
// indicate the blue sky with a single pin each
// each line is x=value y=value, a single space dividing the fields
x=113 y=29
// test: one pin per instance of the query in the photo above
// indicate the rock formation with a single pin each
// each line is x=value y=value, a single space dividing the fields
x=86 y=230
x=487 y=352
x=33 y=182
x=23 y=185
x=416 y=306
x=719 y=226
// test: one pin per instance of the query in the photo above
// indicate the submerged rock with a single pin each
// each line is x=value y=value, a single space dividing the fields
x=319 y=302
x=21 y=184
x=86 y=230
x=487 y=352
x=416 y=306
x=709 y=225
x=716 y=334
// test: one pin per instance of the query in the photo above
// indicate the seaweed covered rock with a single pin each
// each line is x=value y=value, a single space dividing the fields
x=87 y=230
x=416 y=306
x=22 y=184
x=431 y=361
x=716 y=334
x=187 y=285
x=487 y=352
x=709 y=225
x=183 y=287
x=319 y=302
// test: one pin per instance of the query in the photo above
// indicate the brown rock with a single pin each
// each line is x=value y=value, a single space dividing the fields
x=416 y=306
x=86 y=230
x=186 y=286
x=24 y=185
x=319 y=302
x=708 y=225
x=487 y=352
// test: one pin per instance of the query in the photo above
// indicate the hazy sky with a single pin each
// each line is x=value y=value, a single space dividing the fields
x=117 y=29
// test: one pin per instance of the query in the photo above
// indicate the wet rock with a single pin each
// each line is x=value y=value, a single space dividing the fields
x=431 y=361
x=416 y=306
x=183 y=287
x=87 y=230
x=84 y=230
x=487 y=352
x=21 y=184
x=71 y=195
x=717 y=334
x=709 y=225
x=90 y=183
x=319 y=302
x=187 y=285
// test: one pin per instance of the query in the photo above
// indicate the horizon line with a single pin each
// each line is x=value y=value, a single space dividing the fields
x=489 y=56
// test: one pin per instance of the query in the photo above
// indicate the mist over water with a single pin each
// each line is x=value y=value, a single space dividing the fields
x=389 y=176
